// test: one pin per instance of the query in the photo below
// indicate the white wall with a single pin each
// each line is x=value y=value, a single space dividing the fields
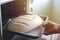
x=41 y=7
x=55 y=16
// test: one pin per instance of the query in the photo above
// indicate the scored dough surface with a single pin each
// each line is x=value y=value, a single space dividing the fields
x=24 y=23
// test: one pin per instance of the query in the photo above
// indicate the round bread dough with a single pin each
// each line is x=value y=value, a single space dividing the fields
x=24 y=23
